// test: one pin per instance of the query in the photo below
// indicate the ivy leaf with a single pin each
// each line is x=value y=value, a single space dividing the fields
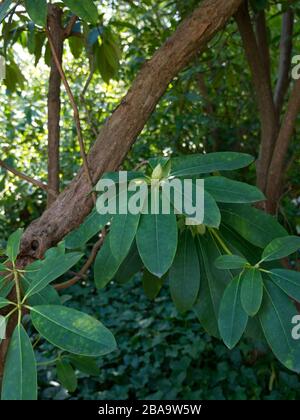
x=37 y=10
x=86 y=9
x=281 y=247
x=72 y=330
x=203 y=164
x=122 y=234
x=252 y=291
x=152 y=285
x=184 y=274
x=225 y=190
x=232 y=317
x=20 y=375
x=288 y=281
x=230 y=262
x=13 y=245
x=66 y=375
x=50 y=270
x=157 y=242
x=252 y=224
x=276 y=317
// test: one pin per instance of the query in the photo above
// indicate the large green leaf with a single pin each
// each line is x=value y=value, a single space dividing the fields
x=252 y=291
x=281 y=247
x=252 y=224
x=86 y=9
x=50 y=270
x=232 y=317
x=130 y=266
x=20 y=376
x=47 y=296
x=13 y=245
x=93 y=224
x=72 y=330
x=230 y=262
x=85 y=364
x=226 y=190
x=212 y=285
x=203 y=164
x=6 y=286
x=212 y=215
x=66 y=375
x=276 y=317
x=106 y=265
x=122 y=233
x=37 y=10
x=157 y=242
x=4 y=6
x=152 y=285
x=184 y=275
x=288 y=281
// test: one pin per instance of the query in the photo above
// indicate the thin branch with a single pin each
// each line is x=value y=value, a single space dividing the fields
x=86 y=266
x=76 y=113
x=27 y=178
x=82 y=96
x=69 y=27
x=286 y=47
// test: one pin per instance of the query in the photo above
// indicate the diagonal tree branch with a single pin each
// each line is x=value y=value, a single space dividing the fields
x=122 y=128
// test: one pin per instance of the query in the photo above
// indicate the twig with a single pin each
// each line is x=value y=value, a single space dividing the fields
x=141 y=164
x=76 y=113
x=82 y=96
x=87 y=265
x=27 y=178
x=69 y=26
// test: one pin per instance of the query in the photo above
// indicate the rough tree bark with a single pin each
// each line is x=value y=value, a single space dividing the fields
x=54 y=101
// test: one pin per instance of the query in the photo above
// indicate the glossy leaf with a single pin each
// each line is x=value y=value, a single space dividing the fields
x=87 y=365
x=288 y=281
x=281 y=247
x=66 y=375
x=203 y=164
x=226 y=190
x=37 y=10
x=251 y=291
x=276 y=317
x=50 y=270
x=4 y=302
x=4 y=7
x=212 y=215
x=72 y=330
x=184 y=275
x=152 y=285
x=232 y=317
x=106 y=265
x=13 y=245
x=256 y=226
x=93 y=224
x=20 y=375
x=230 y=262
x=122 y=233
x=85 y=9
x=157 y=242
x=130 y=266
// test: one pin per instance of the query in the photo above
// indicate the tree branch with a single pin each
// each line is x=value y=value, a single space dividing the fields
x=264 y=96
x=286 y=47
x=122 y=128
x=27 y=178
x=277 y=167
x=75 y=110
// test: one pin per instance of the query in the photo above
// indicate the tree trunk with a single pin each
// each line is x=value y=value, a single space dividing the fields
x=54 y=102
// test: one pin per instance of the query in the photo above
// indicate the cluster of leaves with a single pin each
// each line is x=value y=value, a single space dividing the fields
x=68 y=329
x=212 y=268
x=164 y=355
x=89 y=34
